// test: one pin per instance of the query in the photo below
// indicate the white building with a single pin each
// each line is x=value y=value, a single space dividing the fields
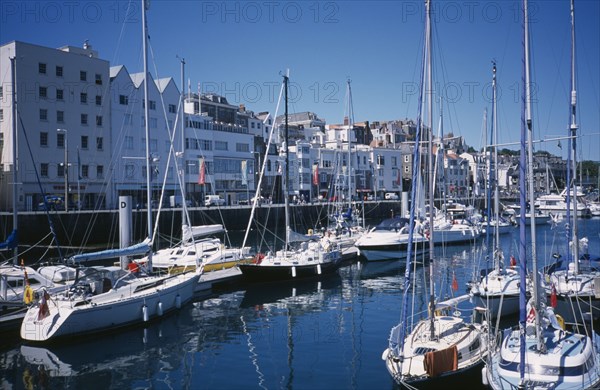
x=64 y=110
x=129 y=134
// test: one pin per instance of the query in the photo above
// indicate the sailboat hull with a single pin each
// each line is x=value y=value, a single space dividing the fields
x=127 y=305
x=270 y=273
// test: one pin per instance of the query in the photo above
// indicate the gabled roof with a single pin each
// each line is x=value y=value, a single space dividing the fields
x=163 y=83
x=115 y=70
x=137 y=79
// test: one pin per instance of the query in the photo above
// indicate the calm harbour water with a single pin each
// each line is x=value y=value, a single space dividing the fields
x=318 y=335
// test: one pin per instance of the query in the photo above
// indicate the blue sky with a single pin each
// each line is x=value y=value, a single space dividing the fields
x=239 y=48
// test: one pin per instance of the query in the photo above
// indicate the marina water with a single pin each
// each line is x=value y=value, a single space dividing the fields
x=326 y=334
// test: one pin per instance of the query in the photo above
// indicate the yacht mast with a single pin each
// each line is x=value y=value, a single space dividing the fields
x=287 y=172
x=147 y=130
x=573 y=130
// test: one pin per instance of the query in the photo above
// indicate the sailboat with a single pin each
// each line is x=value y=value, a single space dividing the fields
x=498 y=289
x=576 y=286
x=345 y=224
x=539 y=353
x=103 y=298
x=308 y=258
x=440 y=346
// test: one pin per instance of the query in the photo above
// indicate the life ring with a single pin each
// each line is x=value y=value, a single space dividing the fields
x=28 y=295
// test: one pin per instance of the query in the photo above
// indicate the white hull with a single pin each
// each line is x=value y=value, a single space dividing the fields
x=118 y=307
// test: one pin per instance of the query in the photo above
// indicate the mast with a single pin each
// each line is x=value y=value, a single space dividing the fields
x=15 y=167
x=529 y=125
x=494 y=169
x=350 y=127
x=287 y=172
x=429 y=93
x=147 y=129
x=572 y=140
x=182 y=166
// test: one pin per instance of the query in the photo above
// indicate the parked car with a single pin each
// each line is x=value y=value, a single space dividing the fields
x=213 y=200
x=391 y=196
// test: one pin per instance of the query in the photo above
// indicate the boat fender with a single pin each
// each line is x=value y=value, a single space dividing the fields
x=318 y=269
x=178 y=301
x=28 y=294
x=561 y=321
x=484 y=378
x=145 y=314
x=293 y=272
x=310 y=232
x=159 y=309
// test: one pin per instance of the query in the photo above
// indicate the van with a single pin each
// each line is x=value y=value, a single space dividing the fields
x=213 y=200
x=391 y=196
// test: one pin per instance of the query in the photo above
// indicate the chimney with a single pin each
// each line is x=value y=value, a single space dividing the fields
x=242 y=108
x=346 y=121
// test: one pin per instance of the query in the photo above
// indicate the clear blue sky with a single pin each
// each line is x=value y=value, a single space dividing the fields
x=238 y=49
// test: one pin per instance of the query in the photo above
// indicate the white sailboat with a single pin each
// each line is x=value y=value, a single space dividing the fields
x=575 y=286
x=301 y=257
x=104 y=298
x=539 y=353
x=498 y=289
x=442 y=346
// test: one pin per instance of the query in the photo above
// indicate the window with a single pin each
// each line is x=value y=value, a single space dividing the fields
x=123 y=100
x=129 y=171
x=242 y=147
x=83 y=98
x=99 y=143
x=85 y=170
x=59 y=94
x=98 y=79
x=41 y=68
x=1 y=115
x=44 y=169
x=99 y=120
x=43 y=114
x=43 y=92
x=205 y=144
x=129 y=142
x=99 y=172
x=60 y=116
x=60 y=140
x=84 y=142
x=151 y=106
x=1 y=92
x=172 y=108
x=98 y=100
x=82 y=75
x=59 y=71
x=84 y=119
x=43 y=138
x=221 y=145
x=60 y=170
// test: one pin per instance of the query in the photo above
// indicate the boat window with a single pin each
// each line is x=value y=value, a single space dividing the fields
x=192 y=253
x=474 y=345
x=179 y=252
x=423 y=350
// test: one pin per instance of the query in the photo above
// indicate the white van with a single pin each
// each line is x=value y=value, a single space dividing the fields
x=391 y=196
x=213 y=200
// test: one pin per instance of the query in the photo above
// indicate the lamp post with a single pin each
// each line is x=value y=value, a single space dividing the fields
x=66 y=167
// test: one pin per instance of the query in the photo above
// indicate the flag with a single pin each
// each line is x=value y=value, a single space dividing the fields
x=202 y=176
x=244 y=172
x=553 y=300
x=44 y=309
x=315 y=174
x=454 y=283
x=531 y=315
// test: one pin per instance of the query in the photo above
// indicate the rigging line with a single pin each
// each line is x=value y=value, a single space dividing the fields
x=52 y=230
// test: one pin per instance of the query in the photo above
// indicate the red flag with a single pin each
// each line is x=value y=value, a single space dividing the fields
x=202 y=177
x=316 y=174
x=454 y=283
x=553 y=300
x=531 y=316
x=44 y=309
